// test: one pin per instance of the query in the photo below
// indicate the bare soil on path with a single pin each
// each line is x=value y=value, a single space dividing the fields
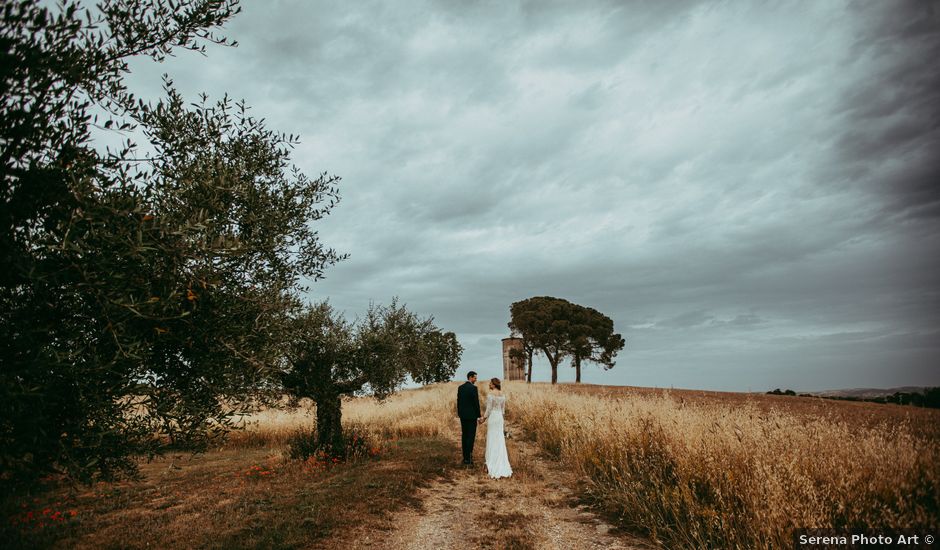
x=536 y=508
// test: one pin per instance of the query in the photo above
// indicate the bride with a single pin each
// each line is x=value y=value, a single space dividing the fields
x=497 y=459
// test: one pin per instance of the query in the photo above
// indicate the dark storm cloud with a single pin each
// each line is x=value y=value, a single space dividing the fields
x=749 y=191
x=891 y=131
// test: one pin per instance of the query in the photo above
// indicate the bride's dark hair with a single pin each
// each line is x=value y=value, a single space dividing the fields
x=495 y=382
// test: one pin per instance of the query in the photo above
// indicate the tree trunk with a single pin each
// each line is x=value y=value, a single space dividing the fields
x=529 y=374
x=553 y=359
x=330 y=422
x=577 y=369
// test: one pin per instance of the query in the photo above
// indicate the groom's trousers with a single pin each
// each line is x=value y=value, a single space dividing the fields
x=468 y=433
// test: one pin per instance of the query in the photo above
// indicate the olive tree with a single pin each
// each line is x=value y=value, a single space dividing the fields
x=441 y=352
x=331 y=357
x=146 y=289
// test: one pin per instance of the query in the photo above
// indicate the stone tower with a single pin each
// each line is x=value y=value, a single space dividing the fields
x=513 y=367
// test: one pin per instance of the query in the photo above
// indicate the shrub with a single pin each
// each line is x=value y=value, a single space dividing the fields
x=356 y=444
x=302 y=444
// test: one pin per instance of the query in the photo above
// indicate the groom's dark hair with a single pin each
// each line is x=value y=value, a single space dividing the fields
x=470 y=375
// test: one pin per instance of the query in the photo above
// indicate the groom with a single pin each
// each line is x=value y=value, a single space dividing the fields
x=468 y=409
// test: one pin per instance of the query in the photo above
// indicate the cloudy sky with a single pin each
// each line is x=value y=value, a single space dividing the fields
x=749 y=191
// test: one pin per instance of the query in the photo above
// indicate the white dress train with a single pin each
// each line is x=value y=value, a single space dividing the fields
x=497 y=458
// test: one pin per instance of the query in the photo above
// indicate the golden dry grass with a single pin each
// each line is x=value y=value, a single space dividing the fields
x=691 y=469
x=424 y=412
x=741 y=473
x=248 y=494
x=855 y=414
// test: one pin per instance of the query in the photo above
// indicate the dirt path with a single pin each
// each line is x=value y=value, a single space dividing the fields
x=534 y=509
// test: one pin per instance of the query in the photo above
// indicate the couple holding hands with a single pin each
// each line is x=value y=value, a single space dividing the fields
x=468 y=409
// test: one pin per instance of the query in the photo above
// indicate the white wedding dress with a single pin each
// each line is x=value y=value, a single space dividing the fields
x=497 y=459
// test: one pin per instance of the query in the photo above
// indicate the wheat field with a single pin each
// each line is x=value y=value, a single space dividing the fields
x=424 y=412
x=700 y=473
x=709 y=474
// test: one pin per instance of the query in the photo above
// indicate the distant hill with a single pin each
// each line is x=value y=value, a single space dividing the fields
x=869 y=393
x=904 y=395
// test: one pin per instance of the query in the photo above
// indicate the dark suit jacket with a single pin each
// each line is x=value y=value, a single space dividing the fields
x=468 y=402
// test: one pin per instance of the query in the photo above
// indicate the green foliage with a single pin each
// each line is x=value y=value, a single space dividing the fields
x=591 y=337
x=374 y=355
x=559 y=328
x=441 y=353
x=330 y=357
x=145 y=295
x=542 y=322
